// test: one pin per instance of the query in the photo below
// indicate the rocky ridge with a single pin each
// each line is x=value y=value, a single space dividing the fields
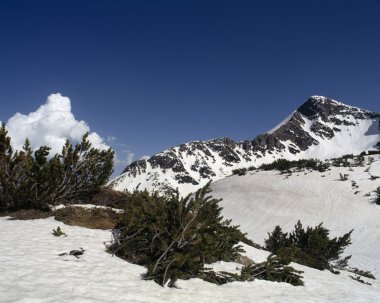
x=320 y=128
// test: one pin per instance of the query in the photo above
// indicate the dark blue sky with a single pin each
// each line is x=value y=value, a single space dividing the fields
x=158 y=73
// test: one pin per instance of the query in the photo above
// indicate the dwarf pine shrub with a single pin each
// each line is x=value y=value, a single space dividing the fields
x=285 y=165
x=35 y=180
x=378 y=196
x=174 y=237
x=311 y=246
x=58 y=232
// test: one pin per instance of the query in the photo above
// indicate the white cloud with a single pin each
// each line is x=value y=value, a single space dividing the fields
x=122 y=162
x=111 y=139
x=130 y=157
x=144 y=157
x=51 y=125
x=126 y=159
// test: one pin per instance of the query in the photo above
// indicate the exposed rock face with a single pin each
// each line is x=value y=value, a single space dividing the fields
x=319 y=128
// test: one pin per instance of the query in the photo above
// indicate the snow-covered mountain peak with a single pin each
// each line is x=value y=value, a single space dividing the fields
x=326 y=101
x=318 y=106
x=322 y=99
x=320 y=128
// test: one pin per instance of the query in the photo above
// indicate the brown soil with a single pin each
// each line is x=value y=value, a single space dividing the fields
x=109 y=198
x=27 y=214
x=91 y=218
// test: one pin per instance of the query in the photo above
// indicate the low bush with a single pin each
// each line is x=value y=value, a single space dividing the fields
x=175 y=237
x=37 y=180
x=284 y=165
x=239 y=171
x=110 y=198
x=311 y=246
x=273 y=269
x=374 y=152
x=58 y=232
x=242 y=171
x=341 y=162
x=350 y=160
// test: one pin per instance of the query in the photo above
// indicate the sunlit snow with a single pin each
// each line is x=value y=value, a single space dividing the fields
x=32 y=271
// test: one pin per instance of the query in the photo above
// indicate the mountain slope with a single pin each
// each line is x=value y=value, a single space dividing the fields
x=320 y=128
x=260 y=200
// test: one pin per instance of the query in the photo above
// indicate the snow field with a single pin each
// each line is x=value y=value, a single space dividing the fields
x=261 y=200
x=32 y=271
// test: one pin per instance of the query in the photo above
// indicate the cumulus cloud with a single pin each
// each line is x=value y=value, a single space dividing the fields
x=51 y=125
x=126 y=158
x=123 y=159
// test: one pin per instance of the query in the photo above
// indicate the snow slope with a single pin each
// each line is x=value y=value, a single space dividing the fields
x=32 y=271
x=261 y=200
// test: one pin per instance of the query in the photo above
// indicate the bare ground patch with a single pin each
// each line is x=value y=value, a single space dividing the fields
x=97 y=218
x=26 y=214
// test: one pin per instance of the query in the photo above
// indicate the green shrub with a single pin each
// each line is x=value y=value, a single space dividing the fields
x=242 y=171
x=284 y=165
x=239 y=171
x=273 y=269
x=34 y=180
x=377 y=201
x=311 y=247
x=296 y=254
x=174 y=237
x=276 y=240
x=359 y=160
x=374 y=152
x=340 y=162
x=58 y=232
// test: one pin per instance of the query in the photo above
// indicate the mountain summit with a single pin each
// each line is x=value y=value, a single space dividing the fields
x=320 y=128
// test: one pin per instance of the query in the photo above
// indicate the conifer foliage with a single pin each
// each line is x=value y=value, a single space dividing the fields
x=378 y=196
x=311 y=246
x=36 y=179
x=283 y=165
x=174 y=237
x=273 y=269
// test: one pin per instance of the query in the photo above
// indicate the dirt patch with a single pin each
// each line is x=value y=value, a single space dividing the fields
x=27 y=214
x=87 y=217
x=109 y=198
